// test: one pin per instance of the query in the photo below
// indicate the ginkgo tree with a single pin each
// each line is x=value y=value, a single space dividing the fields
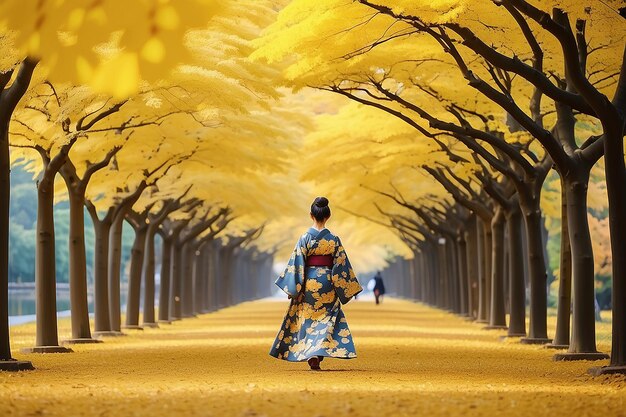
x=414 y=77
x=83 y=44
x=384 y=54
x=140 y=72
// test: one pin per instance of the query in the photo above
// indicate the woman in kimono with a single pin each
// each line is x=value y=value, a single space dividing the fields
x=318 y=279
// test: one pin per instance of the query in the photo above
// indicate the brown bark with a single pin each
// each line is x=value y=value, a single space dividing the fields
x=583 y=339
x=214 y=273
x=453 y=276
x=148 y=278
x=9 y=98
x=45 y=266
x=78 y=266
x=170 y=232
x=77 y=188
x=148 y=268
x=538 y=327
x=482 y=281
x=175 y=284
x=463 y=274
x=45 y=258
x=115 y=263
x=134 y=277
x=200 y=279
x=615 y=173
x=562 y=333
x=187 y=247
x=115 y=256
x=615 y=179
x=5 y=194
x=472 y=266
x=102 y=228
x=497 y=317
x=488 y=245
x=186 y=280
x=166 y=265
x=517 y=286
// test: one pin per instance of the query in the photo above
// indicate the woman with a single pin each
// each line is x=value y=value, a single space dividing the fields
x=318 y=278
x=379 y=288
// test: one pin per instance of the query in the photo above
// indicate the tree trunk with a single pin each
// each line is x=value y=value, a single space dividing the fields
x=164 y=294
x=5 y=194
x=148 y=277
x=423 y=275
x=177 y=260
x=45 y=267
x=7 y=106
x=444 y=294
x=78 y=267
x=434 y=274
x=453 y=276
x=546 y=236
x=472 y=266
x=206 y=294
x=615 y=180
x=199 y=280
x=420 y=274
x=213 y=264
x=488 y=242
x=497 y=316
x=134 y=277
x=463 y=273
x=416 y=277
x=583 y=318
x=517 y=286
x=115 y=261
x=186 y=280
x=538 y=328
x=101 y=295
x=562 y=334
x=482 y=272
x=226 y=277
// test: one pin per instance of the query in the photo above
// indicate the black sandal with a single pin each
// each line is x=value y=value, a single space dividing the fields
x=314 y=363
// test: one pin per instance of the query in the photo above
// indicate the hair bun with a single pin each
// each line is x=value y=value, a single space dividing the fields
x=321 y=202
x=320 y=209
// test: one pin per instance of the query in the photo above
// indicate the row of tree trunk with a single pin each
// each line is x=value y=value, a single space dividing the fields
x=478 y=270
x=524 y=170
x=199 y=273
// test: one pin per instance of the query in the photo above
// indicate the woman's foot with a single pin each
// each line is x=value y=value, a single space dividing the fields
x=314 y=363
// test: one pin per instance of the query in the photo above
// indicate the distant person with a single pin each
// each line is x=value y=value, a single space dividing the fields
x=318 y=279
x=379 y=288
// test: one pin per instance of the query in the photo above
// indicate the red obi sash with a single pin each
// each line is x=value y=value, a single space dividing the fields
x=320 y=260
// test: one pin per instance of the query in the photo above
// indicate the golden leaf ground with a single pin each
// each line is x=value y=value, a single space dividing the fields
x=413 y=360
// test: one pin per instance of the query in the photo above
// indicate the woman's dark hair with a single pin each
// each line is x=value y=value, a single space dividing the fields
x=320 y=209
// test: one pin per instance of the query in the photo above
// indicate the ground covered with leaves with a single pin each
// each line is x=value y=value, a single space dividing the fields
x=412 y=360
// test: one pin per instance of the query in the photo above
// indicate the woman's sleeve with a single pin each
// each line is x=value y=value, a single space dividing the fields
x=343 y=277
x=291 y=280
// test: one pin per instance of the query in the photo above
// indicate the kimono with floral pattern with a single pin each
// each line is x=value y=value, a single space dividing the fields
x=315 y=324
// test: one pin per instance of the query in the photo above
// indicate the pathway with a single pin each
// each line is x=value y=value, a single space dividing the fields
x=413 y=361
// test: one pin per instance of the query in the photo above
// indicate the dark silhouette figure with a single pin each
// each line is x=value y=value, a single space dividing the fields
x=379 y=288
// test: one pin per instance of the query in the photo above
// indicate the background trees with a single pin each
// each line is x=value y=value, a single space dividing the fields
x=403 y=59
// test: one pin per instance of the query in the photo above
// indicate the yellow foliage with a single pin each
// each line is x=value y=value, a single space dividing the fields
x=146 y=36
x=205 y=94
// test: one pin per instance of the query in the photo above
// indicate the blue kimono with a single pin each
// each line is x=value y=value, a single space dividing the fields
x=315 y=324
